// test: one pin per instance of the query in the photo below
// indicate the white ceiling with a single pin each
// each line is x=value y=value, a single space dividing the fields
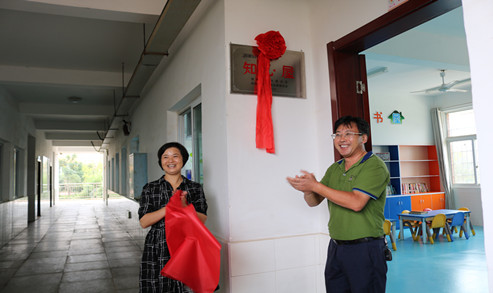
x=414 y=59
x=52 y=50
x=55 y=49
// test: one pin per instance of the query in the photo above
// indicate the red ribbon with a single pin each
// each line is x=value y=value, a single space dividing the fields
x=195 y=252
x=271 y=46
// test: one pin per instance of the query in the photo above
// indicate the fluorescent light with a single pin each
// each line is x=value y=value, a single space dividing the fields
x=376 y=71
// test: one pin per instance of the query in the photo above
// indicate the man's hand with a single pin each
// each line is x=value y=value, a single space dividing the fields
x=305 y=182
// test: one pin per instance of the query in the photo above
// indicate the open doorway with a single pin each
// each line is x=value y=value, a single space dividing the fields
x=419 y=70
x=80 y=176
x=351 y=81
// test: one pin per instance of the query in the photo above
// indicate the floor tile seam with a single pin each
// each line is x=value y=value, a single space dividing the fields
x=106 y=254
x=25 y=260
x=123 y=227
x=32 y=274
x=65 y=272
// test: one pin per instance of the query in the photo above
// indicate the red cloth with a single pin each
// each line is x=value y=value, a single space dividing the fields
x=195 y=252
x=271 y=46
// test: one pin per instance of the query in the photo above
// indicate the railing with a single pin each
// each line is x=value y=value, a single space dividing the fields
x=80 y=190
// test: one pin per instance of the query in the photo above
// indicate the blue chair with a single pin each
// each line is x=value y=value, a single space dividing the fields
x=458 y=221
x=471 y=228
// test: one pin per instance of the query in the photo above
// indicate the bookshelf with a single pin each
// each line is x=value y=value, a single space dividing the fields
x=414 y=178
x=413 y=168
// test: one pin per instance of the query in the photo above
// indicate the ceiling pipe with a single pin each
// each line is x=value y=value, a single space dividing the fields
x=173 y=18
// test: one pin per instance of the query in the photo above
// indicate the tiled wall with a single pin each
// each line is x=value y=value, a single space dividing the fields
x=13 y=219
x=291 y=264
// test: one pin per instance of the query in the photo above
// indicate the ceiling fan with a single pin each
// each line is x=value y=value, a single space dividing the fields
x=445 y=87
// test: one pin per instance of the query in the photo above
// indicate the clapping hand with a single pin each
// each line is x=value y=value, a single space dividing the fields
x=304 y=182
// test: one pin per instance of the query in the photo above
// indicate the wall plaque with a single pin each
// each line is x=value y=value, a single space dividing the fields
x=287 y=73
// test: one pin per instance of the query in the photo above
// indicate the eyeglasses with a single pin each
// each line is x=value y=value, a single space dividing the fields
x=346 y=135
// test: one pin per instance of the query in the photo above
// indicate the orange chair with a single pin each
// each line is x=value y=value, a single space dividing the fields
x=470 y=224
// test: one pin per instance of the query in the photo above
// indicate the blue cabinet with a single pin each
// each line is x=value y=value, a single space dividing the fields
x=395 y=205
x=137 y=174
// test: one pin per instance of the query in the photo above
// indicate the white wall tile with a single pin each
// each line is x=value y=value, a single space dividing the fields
x=265 y=282
x=323 y=246
x=294 y=252
x=252 y=257
x=297 y=280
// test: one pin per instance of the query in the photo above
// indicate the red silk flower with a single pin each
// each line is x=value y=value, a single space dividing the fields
x=271 y=46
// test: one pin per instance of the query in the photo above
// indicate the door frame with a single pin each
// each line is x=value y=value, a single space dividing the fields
x=346 y=66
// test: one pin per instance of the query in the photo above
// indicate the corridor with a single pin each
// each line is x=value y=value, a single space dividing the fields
x=75 y=246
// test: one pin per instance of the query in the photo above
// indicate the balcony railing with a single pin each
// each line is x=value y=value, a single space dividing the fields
x=80 y=190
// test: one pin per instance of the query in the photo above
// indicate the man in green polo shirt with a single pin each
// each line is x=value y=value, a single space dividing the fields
x=355 y=189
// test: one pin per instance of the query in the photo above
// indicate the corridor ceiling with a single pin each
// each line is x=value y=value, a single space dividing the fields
x=77 y=67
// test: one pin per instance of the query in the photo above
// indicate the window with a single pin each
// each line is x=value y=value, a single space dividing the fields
x=190 y=129
x=462 y=146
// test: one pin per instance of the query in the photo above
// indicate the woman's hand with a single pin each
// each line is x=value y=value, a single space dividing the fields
x=150 y=219
x=184 y=203
x=183 y=198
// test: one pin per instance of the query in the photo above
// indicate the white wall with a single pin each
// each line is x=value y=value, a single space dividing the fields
x=258 y=189
x=477 y=16
x=199 y=61
x=416 y=128
x=14 y=130
x=277 y=243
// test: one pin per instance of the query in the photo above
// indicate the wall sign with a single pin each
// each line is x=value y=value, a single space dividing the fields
x=396 y=117
x=287 y=73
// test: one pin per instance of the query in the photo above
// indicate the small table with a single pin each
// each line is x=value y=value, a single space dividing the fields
x=428 y=216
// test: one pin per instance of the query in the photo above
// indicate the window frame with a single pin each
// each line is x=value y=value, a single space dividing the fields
x=451 y=139
x=195 y=174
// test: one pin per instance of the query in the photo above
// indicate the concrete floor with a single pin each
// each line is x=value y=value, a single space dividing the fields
x=74 y=247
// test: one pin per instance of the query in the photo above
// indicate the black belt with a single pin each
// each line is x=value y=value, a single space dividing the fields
x=356 y=241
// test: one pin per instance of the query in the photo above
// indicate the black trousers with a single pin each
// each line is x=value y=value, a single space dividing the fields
x=356 y=268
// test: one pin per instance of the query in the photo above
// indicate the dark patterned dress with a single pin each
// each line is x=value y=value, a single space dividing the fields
x=156 y=195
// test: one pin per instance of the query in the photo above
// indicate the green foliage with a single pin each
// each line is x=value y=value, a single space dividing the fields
x=74 y=170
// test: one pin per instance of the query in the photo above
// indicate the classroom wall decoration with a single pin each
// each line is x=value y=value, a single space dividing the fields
x=396 y=117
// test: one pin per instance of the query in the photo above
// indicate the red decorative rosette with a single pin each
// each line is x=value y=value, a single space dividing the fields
x=271 y=44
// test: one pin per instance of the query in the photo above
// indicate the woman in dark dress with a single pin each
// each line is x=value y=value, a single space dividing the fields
x=155 y=196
